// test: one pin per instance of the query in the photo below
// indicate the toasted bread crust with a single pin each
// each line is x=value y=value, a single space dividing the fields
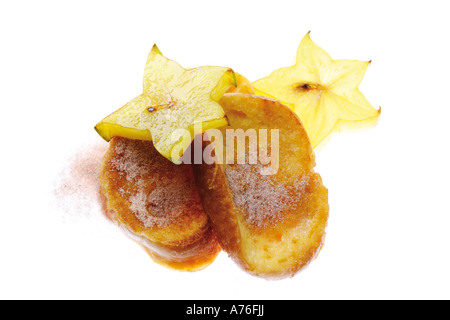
x=271 y=226
x=218 y=203
x=157 y=204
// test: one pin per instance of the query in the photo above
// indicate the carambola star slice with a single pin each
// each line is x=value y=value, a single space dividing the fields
x=173 y=100
x=323 y=92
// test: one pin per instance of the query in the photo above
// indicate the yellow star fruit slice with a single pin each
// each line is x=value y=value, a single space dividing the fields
x=173 y=102
x=323 y=92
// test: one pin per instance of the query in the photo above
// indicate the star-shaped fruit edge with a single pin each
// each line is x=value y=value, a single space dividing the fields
x=323 y=92
x=173 y=102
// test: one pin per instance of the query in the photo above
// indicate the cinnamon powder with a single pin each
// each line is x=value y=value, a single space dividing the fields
x=77 y=188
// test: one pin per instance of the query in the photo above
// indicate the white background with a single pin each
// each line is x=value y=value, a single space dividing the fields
x=65 y=65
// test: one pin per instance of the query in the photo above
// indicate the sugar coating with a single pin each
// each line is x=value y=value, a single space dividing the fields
x=261 y=198
x=157 y=190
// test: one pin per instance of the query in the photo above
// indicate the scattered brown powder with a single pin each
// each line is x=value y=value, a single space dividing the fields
x=260 y=197
x=158 y=191
x=77 y=188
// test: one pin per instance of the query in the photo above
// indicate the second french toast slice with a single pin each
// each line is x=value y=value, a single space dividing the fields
x=269 y=217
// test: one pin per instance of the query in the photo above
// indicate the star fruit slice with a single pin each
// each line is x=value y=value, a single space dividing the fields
x=323 y=92
x=174 y=102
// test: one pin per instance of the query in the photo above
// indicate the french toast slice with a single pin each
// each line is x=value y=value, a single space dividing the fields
x=272 y=224
x=157 y=204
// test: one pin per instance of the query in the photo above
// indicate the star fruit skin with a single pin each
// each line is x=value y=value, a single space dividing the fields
x=323 y=92
x=182 y=98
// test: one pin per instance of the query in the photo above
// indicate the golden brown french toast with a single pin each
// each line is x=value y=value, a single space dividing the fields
x=271 y=225
x=157 y=204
